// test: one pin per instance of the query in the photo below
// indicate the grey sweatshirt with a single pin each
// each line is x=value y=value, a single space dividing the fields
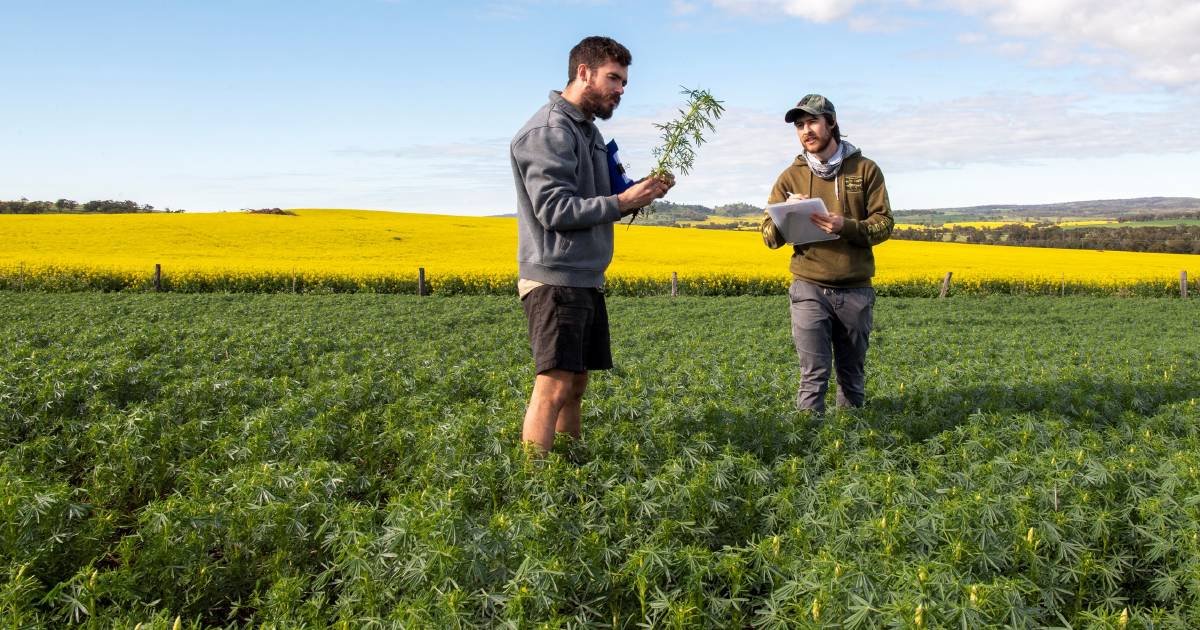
x=565 y=209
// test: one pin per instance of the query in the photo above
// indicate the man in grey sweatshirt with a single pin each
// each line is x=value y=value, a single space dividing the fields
x=565 y=215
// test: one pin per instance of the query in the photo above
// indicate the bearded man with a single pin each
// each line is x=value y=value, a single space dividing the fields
x=565 y=215
x=832 y=301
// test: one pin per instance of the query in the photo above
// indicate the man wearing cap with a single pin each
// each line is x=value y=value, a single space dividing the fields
x=565 y=214
x=831 y=295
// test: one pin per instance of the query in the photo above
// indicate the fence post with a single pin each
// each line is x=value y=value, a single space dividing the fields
x=1183 y=283
x=420 y=281
x=1063 y=286
x=674 y=284
x=21 y=276
x=293 y=279
x=946 y=284
x=157 y=277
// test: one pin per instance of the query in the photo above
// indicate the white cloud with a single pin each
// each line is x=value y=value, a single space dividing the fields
x=462 y=165
x=911 y=141
x=752 y=147
x=682 y=7
x=1155 y=40
x=523 y=9
x=1157 y=36
x=1011 y=49
x=1011 y=128
x=813 y=10
x=877 y=24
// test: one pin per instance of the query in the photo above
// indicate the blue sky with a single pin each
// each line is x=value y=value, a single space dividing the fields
x=405 y=105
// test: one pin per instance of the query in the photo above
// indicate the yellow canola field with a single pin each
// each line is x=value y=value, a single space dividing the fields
x=372 y=244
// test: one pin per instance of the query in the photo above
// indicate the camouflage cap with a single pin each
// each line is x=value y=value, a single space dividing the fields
x=814 y=104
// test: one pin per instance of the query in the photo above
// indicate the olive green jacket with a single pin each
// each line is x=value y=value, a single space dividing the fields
x=859 y=195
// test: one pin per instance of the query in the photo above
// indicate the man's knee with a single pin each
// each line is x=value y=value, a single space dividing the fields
x=560 y=387
x=815 y=364
x=578 y=386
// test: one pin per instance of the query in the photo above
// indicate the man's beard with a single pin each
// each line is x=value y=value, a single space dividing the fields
x=593 y=103
x=825 y=142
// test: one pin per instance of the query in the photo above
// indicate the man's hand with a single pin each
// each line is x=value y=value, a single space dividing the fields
x=829 y=223
x=642 y=193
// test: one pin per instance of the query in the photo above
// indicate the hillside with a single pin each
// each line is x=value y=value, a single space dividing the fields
x=668 y=213
x=1099 y=208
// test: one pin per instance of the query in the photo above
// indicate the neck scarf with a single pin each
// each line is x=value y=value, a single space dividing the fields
x=830 y=169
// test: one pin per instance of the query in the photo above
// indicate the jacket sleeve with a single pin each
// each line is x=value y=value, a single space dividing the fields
x=877 y=227
x=546 y=160
x=771 y=235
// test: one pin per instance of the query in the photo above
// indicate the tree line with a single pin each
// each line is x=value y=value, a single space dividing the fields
x=671 y=214
x=1174 y=239
x=69 y=206
x=1158 y=216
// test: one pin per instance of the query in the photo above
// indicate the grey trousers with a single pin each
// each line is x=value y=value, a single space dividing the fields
x=831 y=327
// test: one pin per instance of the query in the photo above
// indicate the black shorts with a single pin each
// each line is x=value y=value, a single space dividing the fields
x=568 y=328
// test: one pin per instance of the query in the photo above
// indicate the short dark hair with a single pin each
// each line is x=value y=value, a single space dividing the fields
x=596 y=51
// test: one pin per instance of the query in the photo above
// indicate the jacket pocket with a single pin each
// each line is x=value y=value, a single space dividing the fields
x=560 y=246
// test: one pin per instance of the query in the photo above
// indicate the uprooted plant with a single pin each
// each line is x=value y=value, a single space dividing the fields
x=682 y=136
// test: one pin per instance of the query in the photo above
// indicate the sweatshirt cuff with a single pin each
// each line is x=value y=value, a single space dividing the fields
x=852 y=231
x=612 y=208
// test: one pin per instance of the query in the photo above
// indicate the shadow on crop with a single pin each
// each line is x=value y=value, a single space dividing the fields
x=1098 y=402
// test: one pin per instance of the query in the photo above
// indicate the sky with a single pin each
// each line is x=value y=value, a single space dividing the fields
x=410 y=105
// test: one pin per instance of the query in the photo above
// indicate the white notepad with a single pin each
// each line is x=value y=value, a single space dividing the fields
x=792 y=219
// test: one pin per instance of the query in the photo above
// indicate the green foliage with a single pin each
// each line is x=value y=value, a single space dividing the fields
x=107 y=206
x=1175 y=217
x=1174 y=238
x=663 y=212
x=289 y=461
x=68 y=279
x=667 y=213
x=738 y=210
x=682 y=136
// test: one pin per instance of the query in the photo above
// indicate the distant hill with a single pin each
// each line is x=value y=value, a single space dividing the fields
x=668 y=213
x=1099 y=208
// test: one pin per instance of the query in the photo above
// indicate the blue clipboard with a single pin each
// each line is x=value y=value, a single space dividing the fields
x=617 y=178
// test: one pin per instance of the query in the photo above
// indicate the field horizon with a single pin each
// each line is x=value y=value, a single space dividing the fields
x=339 y=250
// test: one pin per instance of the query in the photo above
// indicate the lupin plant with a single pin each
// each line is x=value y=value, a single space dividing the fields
x=682 y=136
